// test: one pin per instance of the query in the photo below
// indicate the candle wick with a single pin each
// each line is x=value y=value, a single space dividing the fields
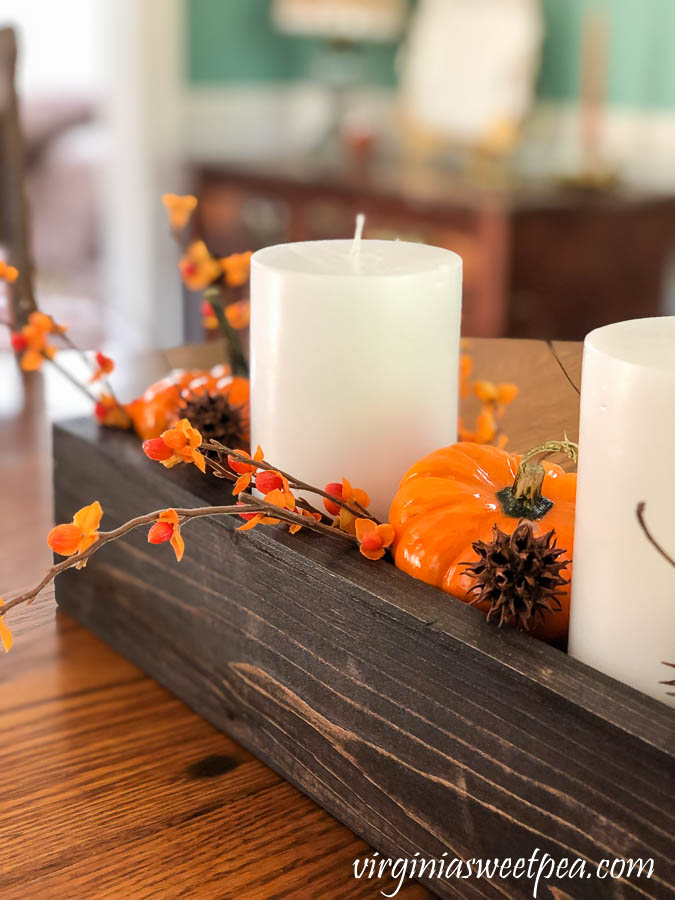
x=358 y=231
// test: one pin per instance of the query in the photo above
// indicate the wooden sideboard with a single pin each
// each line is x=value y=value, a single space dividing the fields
x=540 y=260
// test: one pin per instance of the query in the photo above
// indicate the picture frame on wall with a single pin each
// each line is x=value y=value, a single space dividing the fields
x=478 y=95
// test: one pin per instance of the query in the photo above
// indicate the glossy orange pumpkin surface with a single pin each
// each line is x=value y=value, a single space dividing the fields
x=448 y=500
x=158 y=408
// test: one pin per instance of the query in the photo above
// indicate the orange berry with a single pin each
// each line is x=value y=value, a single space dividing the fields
x=241 y=468
x=268 y=481
x=64 y=539
x=160 y=533
x=334 y=488
x=485 y=391
x=506 y=393
x=247 y=516
x=371 y=541
x=19 y=342
x=104 y=362
x=239 y=314
x=180 y=209
x=486 y=427
x=8 y=273
x=156 y=449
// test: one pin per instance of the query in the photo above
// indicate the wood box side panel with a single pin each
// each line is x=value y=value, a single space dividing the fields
x=413 y=737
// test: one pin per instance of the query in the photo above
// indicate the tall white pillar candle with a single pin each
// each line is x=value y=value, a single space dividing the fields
x=354 y=359
x=623 y=591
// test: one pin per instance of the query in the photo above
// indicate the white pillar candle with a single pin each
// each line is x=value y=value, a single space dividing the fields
x=354 y=359
x=623 y=591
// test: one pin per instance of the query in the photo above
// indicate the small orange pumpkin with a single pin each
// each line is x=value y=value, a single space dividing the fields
x=456 y=495
x=158 y=408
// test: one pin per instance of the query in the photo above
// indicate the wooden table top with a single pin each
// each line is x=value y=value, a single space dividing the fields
x=111 y=786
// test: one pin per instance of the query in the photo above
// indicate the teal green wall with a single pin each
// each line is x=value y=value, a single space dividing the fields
x=642 y=51
x=234 y=41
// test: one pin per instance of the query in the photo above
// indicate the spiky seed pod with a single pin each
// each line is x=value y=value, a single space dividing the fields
x=215 y=418
x=518 y=575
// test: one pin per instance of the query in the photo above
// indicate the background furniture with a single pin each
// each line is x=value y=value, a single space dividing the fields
x=14 y=213
x=48 y=200
x=540 y=260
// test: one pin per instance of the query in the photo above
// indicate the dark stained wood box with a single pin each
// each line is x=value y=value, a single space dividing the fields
x=397 y=708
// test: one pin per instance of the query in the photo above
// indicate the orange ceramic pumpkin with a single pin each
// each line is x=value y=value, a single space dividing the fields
x=456 y=495
x=159 y=406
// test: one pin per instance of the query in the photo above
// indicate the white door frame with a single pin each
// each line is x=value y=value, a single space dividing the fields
x=143 y=111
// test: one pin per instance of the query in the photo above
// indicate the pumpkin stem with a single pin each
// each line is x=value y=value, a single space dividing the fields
x=524 y=500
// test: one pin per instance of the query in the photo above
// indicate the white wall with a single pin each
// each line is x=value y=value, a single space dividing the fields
x=61 y=44
x=126 y=56
x=142 y=111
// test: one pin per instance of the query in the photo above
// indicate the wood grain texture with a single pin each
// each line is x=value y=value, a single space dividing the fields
x=397 y=708
x=111 y=786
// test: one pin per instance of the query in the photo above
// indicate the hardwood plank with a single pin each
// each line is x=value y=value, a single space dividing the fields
x=251 y=846
x=547 y=406
x=106 y=774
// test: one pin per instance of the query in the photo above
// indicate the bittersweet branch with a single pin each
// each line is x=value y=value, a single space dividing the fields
x=253 y=506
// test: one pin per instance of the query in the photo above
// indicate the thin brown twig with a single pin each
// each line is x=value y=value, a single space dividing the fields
x=104 y=537
x=71 y=378
x=70 y=343
x=365 y=511
x=80 y=386
x=182 y=237
x=562 y=367
x=238 y=361
x=73 y=346
x=669 y=683
x=305 y=504
x=223 y=472
x=356 y=509
x=296 y=519
x=640 y=513
x=219 y=469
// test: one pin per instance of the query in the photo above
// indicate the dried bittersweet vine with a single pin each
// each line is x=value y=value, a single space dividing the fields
x=79 y=539
x=33 y=343
x=217 y=278
x=494 y=399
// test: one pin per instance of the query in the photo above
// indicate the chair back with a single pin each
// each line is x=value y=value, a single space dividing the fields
x=14 y=212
